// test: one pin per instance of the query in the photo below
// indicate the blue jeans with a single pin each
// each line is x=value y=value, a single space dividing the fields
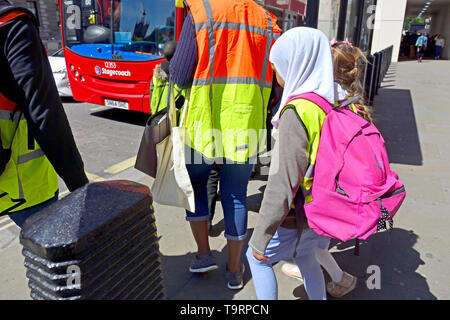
x=420 y=52
x=233 y=182
x=438 y=51
x=283 y=246
x=19 y=217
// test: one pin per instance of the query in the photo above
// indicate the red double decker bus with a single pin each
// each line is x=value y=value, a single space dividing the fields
x=112 y=46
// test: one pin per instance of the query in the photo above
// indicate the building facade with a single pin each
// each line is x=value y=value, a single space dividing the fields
x=440 y=24
x=371 y=25
x=47 y=14
x=290 y=13
x=374 y=25
x=346 y=19
x=389 y=21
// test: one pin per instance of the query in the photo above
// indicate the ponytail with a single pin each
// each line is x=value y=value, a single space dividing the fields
x=349 y=66
x=365 y=112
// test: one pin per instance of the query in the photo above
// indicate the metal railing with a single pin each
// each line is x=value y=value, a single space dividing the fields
x=377 y=67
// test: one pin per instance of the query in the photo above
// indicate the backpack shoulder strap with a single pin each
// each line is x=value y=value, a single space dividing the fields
x=316 y=99
x=348 y=102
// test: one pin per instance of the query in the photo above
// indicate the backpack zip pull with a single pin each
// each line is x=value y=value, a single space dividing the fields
x=385 y=215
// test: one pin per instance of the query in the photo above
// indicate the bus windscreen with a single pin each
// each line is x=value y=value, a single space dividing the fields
x=130 y=30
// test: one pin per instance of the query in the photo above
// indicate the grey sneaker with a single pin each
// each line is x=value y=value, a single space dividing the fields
x=340 y=289
x=234 y=280
x=205 y=264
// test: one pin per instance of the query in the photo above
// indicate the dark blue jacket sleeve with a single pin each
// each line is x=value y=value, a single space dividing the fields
x=184 y=61
x=29 y=70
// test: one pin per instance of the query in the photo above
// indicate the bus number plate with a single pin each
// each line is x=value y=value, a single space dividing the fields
x=116 y=104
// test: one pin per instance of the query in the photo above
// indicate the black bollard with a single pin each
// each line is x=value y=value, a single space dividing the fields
x=97 y=243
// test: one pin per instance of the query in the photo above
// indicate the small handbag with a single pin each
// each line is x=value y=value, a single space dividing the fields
x=157 y=128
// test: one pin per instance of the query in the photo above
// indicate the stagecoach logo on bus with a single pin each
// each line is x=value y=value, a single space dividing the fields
x=110 y=72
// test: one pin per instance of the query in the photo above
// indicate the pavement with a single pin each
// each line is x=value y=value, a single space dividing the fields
x=411 y=110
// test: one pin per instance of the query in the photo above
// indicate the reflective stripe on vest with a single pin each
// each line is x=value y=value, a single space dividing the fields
x=233 y=79
x=28 y=179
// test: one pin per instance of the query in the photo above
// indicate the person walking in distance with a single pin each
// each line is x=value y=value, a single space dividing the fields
x=438 y=46
x=421 y=44
x=36 y=140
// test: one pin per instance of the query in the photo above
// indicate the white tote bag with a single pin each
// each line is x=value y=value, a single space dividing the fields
x=172 y=185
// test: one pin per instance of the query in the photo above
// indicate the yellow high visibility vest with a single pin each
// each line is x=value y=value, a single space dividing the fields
x=159 y=94
x=28 y=179
x=227 y=106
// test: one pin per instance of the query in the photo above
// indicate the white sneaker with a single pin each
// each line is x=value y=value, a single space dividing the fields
x=292 y=270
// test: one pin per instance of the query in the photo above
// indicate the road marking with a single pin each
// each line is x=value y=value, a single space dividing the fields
x=121 y=166
x=62 y=194
x=97 y=108
x=7 y=226
x=4 y=219
x=93 y=177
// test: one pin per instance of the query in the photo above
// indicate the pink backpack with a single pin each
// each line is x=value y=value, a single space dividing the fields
x=354 y=190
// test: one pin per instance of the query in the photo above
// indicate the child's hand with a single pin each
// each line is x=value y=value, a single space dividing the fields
x=260 y=257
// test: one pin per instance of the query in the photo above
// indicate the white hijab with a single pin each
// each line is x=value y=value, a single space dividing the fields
x=303 y=58
x=340 y=94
